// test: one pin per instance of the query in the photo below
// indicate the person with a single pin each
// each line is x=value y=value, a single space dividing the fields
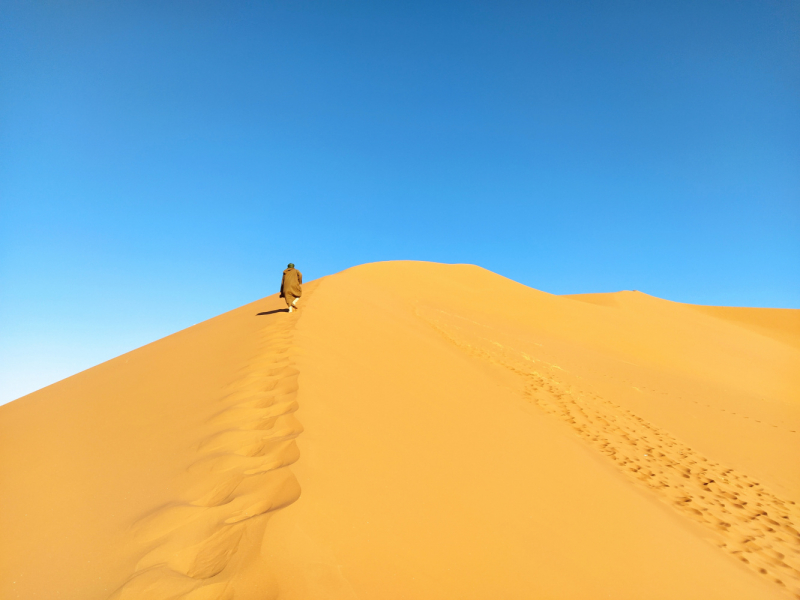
x=291 y=286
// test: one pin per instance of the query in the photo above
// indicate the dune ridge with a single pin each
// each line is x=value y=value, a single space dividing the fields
x=209 y=548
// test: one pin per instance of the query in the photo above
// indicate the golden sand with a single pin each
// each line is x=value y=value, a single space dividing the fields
x=418 y=430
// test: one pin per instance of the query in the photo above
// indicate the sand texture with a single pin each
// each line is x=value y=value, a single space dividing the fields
x=418 y=430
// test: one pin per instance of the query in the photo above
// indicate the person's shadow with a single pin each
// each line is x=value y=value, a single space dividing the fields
x=272 y=312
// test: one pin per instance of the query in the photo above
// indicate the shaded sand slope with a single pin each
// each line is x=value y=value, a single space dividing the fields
x=468 y=437
x=463 y=436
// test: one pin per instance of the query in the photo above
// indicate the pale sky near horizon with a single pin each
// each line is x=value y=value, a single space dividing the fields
x=160 y=163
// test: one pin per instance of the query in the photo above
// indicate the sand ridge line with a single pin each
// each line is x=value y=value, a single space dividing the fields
x=748 y=521
x=198 y=550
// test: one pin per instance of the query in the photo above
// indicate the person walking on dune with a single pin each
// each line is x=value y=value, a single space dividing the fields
x=291 y=286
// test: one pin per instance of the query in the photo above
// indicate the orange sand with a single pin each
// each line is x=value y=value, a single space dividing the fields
x=460 y=436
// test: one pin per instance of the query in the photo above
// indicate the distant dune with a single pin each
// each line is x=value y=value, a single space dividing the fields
x=418 y=431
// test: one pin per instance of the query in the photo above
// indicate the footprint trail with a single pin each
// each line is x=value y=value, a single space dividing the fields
x=750 y=523
x=209 y=548
x=746 y=520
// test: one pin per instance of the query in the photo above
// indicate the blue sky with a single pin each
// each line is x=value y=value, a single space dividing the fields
x=160 y=163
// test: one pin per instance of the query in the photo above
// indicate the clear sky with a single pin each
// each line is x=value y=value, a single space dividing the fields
x=161 y=162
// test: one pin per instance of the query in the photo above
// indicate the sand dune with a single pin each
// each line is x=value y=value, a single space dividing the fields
x=418 y=430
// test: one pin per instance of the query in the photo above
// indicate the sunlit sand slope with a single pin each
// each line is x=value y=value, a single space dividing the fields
x=418 y=431
x=468 y=437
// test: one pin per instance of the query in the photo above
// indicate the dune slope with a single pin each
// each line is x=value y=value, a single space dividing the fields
x=153 y=475
x=463 y=436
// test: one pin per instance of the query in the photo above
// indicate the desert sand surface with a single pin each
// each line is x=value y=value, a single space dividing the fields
x=418 y=430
